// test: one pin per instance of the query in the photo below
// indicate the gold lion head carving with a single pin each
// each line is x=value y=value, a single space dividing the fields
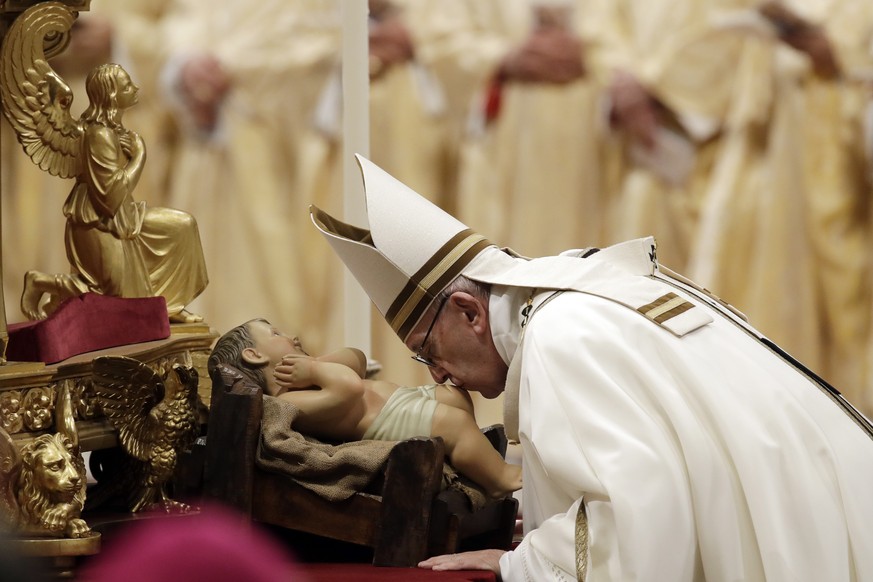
x=51 y=487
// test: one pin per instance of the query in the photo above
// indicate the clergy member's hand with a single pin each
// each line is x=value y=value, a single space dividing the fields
x=91 y=41
x=804 y=36
x=633 y=109
x=478 y=560
x=204 y=84
x=390 y=44
x=90 y=45
x=549 y=55
x=813 y=41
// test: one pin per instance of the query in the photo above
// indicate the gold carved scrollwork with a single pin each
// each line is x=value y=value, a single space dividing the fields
x=38 y=408
x=32 y=409
x=85 y=403
x=11 y=420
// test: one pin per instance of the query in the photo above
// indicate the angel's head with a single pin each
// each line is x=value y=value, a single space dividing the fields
x=110 y=91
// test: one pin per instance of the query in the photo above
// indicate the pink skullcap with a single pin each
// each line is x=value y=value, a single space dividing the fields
x=213 y=546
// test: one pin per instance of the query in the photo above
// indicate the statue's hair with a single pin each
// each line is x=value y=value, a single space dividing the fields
x=229 y=349
x=102 y=88
x=33 y=500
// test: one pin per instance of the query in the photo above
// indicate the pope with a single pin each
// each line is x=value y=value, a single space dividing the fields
x=662 y=436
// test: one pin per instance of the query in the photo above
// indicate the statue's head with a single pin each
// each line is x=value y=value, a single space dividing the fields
x=51 y=462
x=110 y=91
x=52 y=475
x=229 y=350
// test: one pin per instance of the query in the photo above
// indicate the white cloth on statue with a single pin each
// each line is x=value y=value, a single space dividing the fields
x=701 y=456
x=408 y=413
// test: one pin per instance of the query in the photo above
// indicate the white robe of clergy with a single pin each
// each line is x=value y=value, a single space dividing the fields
x=249 y=182
x=698 y=454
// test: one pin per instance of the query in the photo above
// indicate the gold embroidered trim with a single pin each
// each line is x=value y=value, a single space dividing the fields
x=444 y=266
x=581 y=543
x=665 y=307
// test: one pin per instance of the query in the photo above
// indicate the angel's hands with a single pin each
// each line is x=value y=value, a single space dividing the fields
x=131 y=143
x=295 y=371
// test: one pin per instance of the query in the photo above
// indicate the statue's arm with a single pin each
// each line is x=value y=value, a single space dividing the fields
x=350 y=357
x=113 y=165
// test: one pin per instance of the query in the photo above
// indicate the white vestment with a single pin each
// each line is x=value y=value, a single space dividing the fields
x=698 y=454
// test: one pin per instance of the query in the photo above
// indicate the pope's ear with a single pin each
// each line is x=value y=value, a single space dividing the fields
x=473 y=309
x=253 y=357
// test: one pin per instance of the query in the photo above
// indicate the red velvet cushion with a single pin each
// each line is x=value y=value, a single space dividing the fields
x=87 y=323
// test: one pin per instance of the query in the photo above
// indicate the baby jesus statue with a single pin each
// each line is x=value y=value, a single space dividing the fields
x=337 y=403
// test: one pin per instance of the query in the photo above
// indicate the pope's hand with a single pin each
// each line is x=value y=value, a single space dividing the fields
x=478 y=560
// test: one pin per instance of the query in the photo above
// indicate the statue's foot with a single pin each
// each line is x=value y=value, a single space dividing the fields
x=170 y=507
x=77 y=528
x=185 y=316
x=34 y=288
x=50 y=306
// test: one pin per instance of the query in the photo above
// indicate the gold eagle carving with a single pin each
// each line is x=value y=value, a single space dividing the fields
x=156 y=420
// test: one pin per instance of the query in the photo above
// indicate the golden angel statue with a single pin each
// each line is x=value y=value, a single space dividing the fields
x=115 y=244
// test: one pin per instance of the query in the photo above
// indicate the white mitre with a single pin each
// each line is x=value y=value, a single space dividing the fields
x=413 y=250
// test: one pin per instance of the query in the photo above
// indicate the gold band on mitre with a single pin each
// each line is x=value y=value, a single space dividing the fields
x=425 y=284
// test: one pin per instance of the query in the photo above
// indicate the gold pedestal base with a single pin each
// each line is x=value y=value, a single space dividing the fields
x=28 y=390
x=61 y=555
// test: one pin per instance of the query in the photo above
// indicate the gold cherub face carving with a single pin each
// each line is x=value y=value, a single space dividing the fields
x=37 y=408
x=10 y=411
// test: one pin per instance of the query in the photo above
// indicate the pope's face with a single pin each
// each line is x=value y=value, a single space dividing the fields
x=461 y=348
x=272 y=343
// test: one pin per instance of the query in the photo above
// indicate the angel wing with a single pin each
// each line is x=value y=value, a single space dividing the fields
x=36 y=100
x=129 y=392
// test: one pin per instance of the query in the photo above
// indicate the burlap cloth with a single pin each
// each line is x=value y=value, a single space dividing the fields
x=333 y=471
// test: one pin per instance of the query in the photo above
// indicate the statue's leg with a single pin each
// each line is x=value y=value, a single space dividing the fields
x=54 y=288
x=170 y=244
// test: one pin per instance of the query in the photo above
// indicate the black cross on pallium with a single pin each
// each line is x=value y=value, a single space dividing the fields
x=525 y=313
